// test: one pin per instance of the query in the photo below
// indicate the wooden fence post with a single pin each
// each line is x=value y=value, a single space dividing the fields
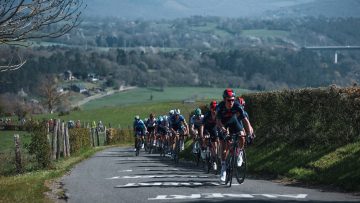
x=67 y=141
x=58 y=135
x=54 y=140
x=105 y=138
x=17 y=153
x=97 y=136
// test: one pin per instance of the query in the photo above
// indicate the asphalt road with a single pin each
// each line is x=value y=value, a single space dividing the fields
x=117 y=175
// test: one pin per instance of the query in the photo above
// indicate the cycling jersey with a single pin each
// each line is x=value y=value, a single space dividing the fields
x=197 y=121
x=162 y=127
x=230 y=117
x=150 y=124
x=210 y=126
x=177 y=124
x=139 y=127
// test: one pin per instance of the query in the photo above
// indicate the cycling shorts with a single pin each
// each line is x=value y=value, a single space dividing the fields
x=139 y=133
x=213 y=132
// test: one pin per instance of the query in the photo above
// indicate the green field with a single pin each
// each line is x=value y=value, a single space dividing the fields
x=143 y=96
x=265 y=33
x=7 y=139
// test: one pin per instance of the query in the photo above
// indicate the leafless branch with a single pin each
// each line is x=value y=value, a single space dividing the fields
x=21 y=20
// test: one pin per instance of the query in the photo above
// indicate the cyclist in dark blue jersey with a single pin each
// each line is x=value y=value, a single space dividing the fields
x=179 y=128
x=139 y=129
x=227 y=114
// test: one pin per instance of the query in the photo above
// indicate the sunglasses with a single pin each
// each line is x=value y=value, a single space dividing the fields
x=230 y=100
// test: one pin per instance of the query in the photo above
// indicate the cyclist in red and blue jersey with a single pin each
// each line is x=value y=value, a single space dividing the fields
x=210 y=128
x=139 y=129
x=228 y=114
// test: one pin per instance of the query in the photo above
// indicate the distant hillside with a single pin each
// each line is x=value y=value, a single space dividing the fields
x=170 y=9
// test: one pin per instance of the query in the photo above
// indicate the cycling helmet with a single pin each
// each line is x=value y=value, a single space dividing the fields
x=228 y=93
x=160 y=118
x=137 y=117
x=241 y=101
x=177 y=112
x=171 y=112
x=213 y=104
x=197 y=112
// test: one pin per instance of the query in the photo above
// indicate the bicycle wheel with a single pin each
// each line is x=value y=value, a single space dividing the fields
x=138 y=146
x=177 y=151
x=240 y=171
x=229 y=169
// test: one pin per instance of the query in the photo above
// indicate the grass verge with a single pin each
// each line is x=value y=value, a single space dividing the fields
x=30 y=187
x=334 y=167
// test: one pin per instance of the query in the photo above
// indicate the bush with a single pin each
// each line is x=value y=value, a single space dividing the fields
x=79 y=139
x=119 y=136
x=39 y=145
x=306 y=117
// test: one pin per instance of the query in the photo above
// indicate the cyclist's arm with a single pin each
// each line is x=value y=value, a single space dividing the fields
x=247 y=125
x=220 y=125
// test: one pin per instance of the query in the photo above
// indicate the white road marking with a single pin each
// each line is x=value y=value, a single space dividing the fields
x=157 y=176
x=129 y=185
x=220 y=195
x=127 y=170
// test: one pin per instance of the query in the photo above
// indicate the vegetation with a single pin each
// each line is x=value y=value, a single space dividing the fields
x=198 y=51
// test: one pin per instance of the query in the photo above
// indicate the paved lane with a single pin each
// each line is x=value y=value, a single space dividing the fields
x=117 y=175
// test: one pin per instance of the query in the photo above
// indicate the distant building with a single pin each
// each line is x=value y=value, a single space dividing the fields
x=92 y=77
x=22 y=93
x=80 y=88
x=68 y=75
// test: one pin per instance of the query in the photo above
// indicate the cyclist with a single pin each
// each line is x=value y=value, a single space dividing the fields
x=197 y=128
x=178 y=128
x=228 y=114
x=197 y=124
x=249 y=137
x=151 y=129
x=162 y=128
x=139 y=130
x=210 y=128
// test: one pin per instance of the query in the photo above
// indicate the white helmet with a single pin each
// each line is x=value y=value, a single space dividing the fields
x=177 y=112
x=171 y=112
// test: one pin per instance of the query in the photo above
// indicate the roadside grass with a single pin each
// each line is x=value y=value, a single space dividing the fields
x=30 y=187
x=7 y=139
x=327 y=166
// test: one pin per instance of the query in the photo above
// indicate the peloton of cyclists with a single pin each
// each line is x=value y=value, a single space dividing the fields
x=229 y=113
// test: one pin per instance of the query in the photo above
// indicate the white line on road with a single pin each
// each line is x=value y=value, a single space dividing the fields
x=157 y=176
x=220 y=195
x=129 y=185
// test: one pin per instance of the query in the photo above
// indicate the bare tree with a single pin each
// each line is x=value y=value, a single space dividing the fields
x=22 y=20
x=48 y=90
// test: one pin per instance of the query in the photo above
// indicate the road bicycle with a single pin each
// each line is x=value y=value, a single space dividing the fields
x=211 y=160
x=139 y=143
x=232 y=163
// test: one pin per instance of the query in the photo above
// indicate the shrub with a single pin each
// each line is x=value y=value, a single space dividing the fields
x=39 y=144
x=79 y=139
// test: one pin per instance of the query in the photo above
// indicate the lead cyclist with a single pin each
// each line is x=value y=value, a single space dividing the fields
x=228 y=114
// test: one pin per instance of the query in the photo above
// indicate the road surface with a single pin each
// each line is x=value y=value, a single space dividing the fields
x=117 y=175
